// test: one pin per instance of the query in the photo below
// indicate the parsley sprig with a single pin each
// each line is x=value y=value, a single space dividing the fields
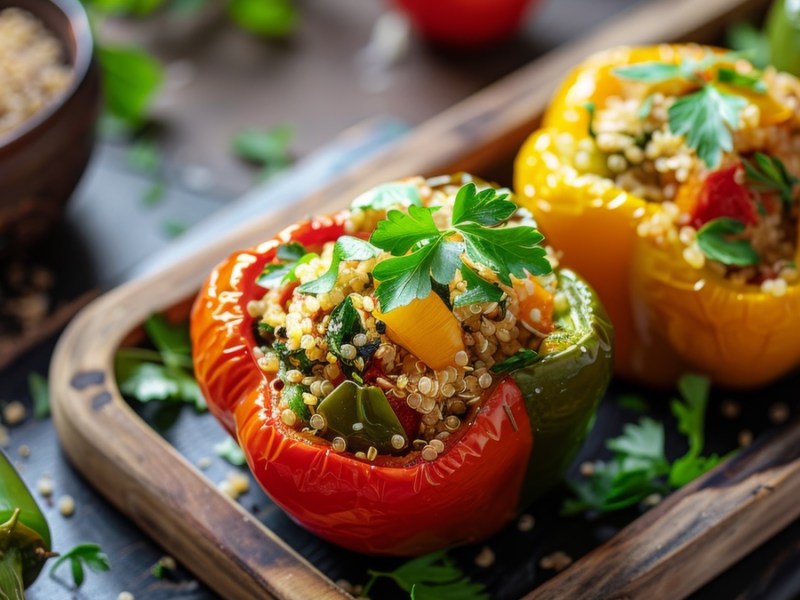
x=639 y=466
x=79 y=557
x=707 y=116
x=423 y=253
x=431 y=577
x=718 y=240
x=281 y=271
x=768 y=174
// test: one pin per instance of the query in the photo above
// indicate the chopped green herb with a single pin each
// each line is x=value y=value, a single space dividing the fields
x=82 y=555
x=749 y=81
x=389 y=195
x=174 y=228
x=714 y=239
x=155 y=193
x=478 y=289
x=161 y=375
x=768 y=174
x=230 y=451
x=39 y=390
x=289 y=256
x=268 y=18
x=345 y=248
x=645 y=108
x=479 y=219
x=344 y=324
x=145 y=155
x=705 y=118
x=633 y=402
x=591 y=109
x=639 y=466
x=522 y=358
x=131 y=78
x=431 y=577
x=651 y=72
x=268 y=149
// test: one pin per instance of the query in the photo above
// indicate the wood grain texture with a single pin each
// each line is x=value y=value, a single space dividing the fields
x=697 y=532
x=213 y=536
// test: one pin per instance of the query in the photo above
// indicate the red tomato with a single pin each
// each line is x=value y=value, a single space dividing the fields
x=723 y=196
x=466 y=23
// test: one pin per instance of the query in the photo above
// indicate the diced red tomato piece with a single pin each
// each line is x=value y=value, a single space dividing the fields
x=723 y=196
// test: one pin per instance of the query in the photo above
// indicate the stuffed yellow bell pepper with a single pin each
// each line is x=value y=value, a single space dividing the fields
x=668 y=177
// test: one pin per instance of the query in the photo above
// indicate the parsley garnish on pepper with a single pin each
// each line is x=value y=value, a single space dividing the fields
x=768 y=174
x=717 y=240
x=479 y=231
x=707 y=116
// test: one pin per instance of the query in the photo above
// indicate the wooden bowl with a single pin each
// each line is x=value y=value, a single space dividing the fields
x=42 y=160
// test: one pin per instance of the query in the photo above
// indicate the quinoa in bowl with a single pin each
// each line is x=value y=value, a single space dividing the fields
x=33 y=68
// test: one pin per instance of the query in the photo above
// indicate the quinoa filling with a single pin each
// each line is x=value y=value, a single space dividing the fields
x=320 y=349
x=717 y=144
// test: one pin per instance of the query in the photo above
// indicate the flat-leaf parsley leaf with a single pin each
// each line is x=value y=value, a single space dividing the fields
x=717 y=241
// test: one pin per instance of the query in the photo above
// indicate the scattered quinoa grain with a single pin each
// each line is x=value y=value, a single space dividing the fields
x=45 y=486
x=778 y=413
x=24 y=451
x=372 y=453
x=14 y=413
x=526 y=522
x=557 y=561
x=730 y=409
x=339 y=444
x=203 y=463
x=398 y=442
x=745 y=438
x=485 y=558
x=66 y=506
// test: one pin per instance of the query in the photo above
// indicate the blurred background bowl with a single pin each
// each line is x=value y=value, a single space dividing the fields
x=43 y=158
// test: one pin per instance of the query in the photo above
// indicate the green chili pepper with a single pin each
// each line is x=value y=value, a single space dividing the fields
x=24 y=534
x=563 y=388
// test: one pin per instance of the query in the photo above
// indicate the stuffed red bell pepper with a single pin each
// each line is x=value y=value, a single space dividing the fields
x=408 y=374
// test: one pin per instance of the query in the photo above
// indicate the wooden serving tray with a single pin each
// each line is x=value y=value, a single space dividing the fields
x=664 y=553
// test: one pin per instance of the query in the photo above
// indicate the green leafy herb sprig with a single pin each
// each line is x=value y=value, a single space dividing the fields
x=768 y=174
x=230 y=451
x=523 y=358
x=39 y=390
x=164 y=374
x=639 y=466
x=268 y=149
x=706 y=117
x=82 y=556
x=288 y=257
x=717 y=240
x=431 y=577
x=422 y=252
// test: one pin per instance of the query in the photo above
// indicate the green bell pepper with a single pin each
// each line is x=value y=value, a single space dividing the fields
x=563 y=388
x=24 y=534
